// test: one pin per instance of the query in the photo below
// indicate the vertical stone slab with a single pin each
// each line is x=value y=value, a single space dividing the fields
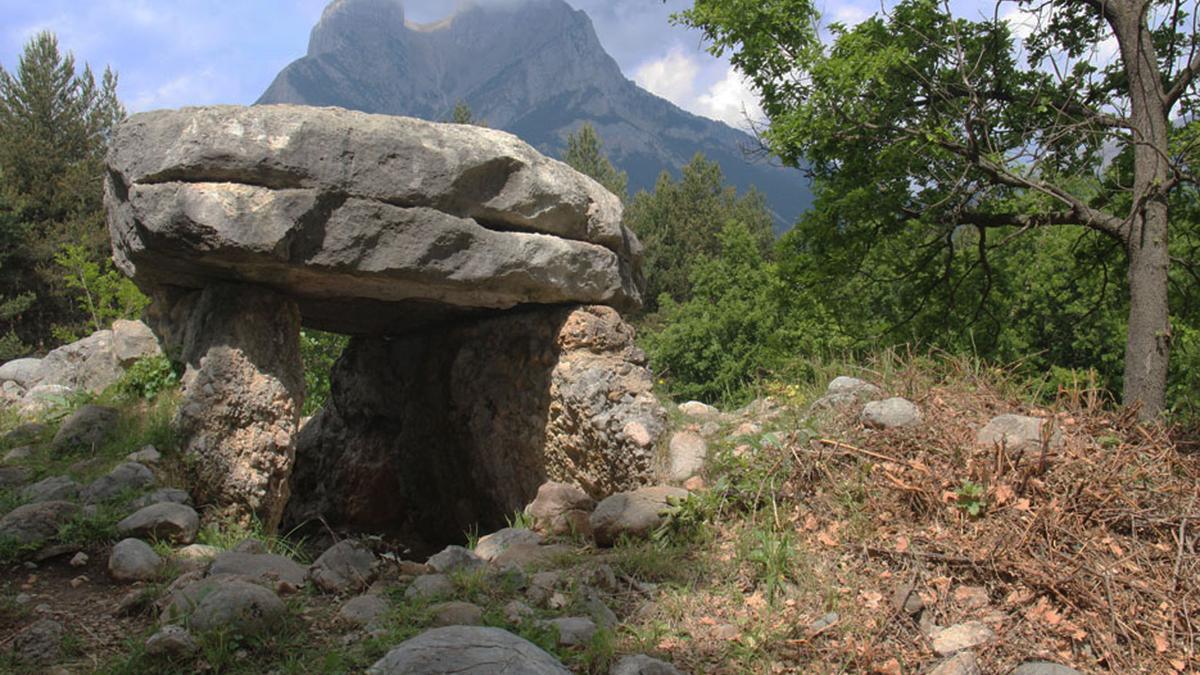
x=242 y=395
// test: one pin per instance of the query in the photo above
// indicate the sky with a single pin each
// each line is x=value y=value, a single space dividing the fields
x=171 y=53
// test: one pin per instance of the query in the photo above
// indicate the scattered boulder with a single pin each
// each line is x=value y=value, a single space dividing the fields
x=468 y=649
x=687 y=453
x=962 y=663
x=640 y=664
x=633 y=514
x=133 y=560
x=84 y=365
x=561 y=509
x=42 y=398
x=244 y=607
x=79 y=560
x=362 y=610
x=521 y=556
x=40 y=643
x=961 y=636
x=456 y=613
x=161 y=496
x=195 y=557
x=491 y=546
x=429 y=587
x=892 y=413
x=600 y=612
x=24 y=372
x=845 y=390
x=573 y=631
x=698 y=409
x=133 y=341
x=18 y=454
x=171 y=642
x=455 y=558
x=164 y=520
x=262 y=568
x=27 y=432
x=52 y=489
x=346 y=566
x=86 y=429
x=13 y=476
x=517 y=612
x=1019 y=432
x=147 y=455
x=123 y=478
x=33 y=524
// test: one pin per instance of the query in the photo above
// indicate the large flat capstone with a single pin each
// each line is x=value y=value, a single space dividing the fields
x=372 y=224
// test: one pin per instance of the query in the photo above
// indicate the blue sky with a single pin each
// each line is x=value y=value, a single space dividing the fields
x=171 y=53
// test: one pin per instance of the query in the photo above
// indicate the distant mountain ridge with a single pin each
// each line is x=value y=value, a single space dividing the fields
x=531 y=67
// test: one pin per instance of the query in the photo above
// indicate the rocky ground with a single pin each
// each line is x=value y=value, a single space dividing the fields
x=924 y=523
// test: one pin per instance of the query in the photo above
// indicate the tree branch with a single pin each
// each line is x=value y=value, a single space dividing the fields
x=1182 y=80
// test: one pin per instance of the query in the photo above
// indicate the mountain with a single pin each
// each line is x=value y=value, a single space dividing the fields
x=531 y=67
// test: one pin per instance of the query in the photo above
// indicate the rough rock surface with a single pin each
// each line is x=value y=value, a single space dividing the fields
x=962 y=663
x=635 y=513
x=1043 y=668
x=241 y=397
x=172 y=495
x=443 y=430
x=244 y=607
x=39 y=643
x=24 y=372
x=493 y=545
x=52 y=489
x=456 y=613
x=843 y=390
x=573 y=631
x=345 y=566
x=133 y=560
x=362 y=610
x=891 y=413
x=123 y=477
x=86 y=429
x=687 y=453
x=371 y=223
x=1018 y=432
x=35 y=523
x=561 y=509
x=454 y=558
x=429 y=587
x=961 y=636
x=172 y=642
x=91 y=364
x=469 y=650
x=265 y=568
x=164 y=520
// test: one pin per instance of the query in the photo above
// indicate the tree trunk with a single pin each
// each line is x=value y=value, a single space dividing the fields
x=1148 y=347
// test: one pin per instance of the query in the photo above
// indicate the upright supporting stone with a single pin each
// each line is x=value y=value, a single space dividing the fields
x=242 y=395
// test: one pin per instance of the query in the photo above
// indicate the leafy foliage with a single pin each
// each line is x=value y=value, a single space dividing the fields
x=100 y=291
x=319 y=351
x=149 y=377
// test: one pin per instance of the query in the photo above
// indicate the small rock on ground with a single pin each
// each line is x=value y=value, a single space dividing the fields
x=362 y=610
x=1043 y=668
x=164 y=520
x=1018 y=432
x=244 y=607
x=698 y=409
x=172 y=642
x=86 y=429
x=961 y=636
x=455 y=558
x=634 y=514
x=173 y=495
x=640 y=664
x=13 y=476
x=147 y=455
x=133 y=560
x=36 y=523
x=429 y=587
x=346 y=566
x=467 y=649
x=573 y=631
x=892 y=413
x=127 y=476
x=52 y=489
x=456 y=613
x=18 y=454
x=687 y=453
x=492 y=545
x=39 y=643
x=561 y=509
x=265 y=568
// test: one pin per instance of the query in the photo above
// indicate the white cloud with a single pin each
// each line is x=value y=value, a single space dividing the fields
x=198 y=88
x=731 y=100
x=672 y=77
x=848 y=15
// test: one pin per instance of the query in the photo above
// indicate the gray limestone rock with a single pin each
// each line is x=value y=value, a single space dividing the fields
x=1043 y=668
x=164 y=520
x=573 y=631
x=467 y=650
x=24 y=372
x=447 y=217
x=123 y=478
x=891 y=413
x=133 y=560
x=263 y=568
x=244 y=607
x=362 y=610
x=52 y=489
x=162 y=495
x=172 y=642
x=456 y=613
x=633 y=514
x=640 y=664
x=960 y=637
x=33 y=524
x=962 y=663
x=1019 y=432
x=454 y=558
x=40 y=643
x=493 y=545
x=346 y=566
x=429 y=586
x=86 y=428
x=561 y=509
x=687 y=453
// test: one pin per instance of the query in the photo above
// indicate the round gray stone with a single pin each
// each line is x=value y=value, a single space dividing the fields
x=468 y=650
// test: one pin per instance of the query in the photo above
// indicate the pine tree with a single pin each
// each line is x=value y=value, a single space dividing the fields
x=55 y=122
x=585 y=154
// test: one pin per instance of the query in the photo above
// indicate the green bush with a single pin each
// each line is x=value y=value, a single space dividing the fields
x=319 y=351
x=148 y=377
